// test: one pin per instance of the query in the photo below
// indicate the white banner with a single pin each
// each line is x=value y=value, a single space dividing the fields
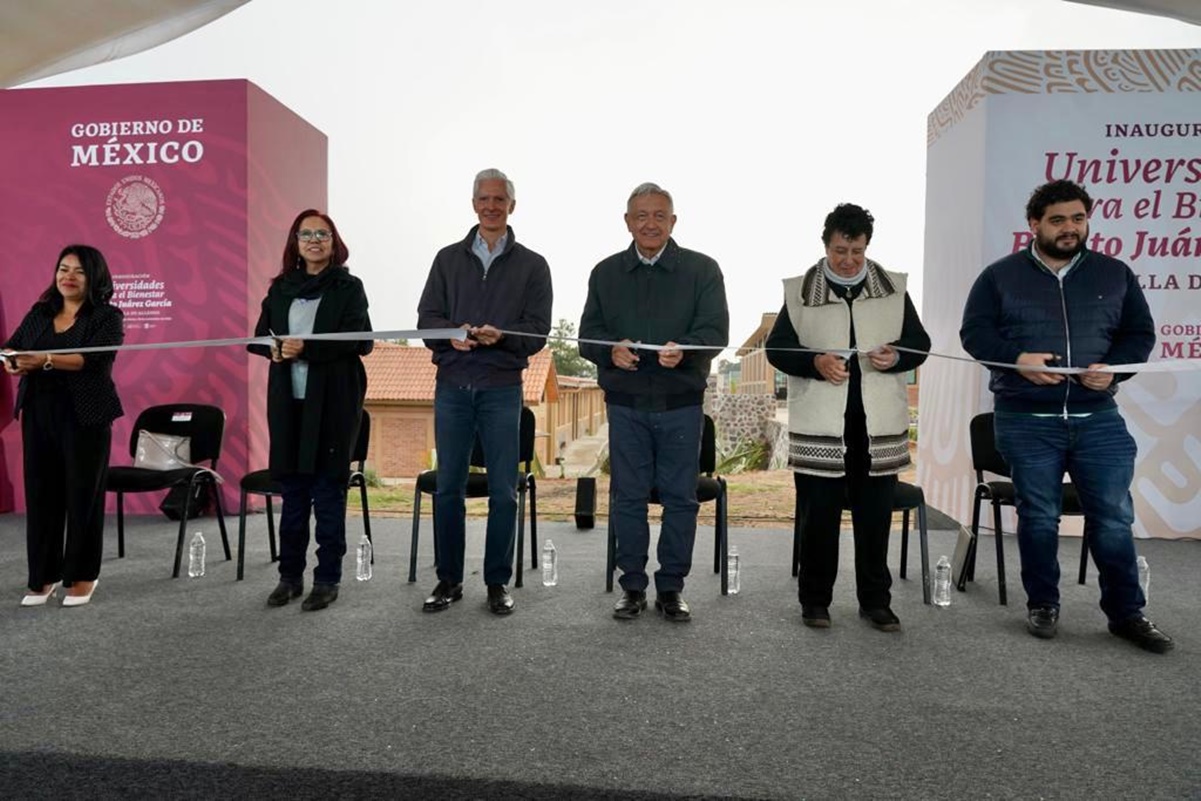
x=1127 y=126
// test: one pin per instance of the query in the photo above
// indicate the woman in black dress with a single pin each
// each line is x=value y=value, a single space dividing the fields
x=66 y=403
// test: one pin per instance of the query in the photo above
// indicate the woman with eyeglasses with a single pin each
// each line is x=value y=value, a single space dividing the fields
x=315 y=391
x=67 y=403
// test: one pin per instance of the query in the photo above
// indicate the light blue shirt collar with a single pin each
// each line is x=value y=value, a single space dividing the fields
x=480 y=248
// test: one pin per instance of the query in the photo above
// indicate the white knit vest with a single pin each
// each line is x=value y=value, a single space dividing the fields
x=816 y=407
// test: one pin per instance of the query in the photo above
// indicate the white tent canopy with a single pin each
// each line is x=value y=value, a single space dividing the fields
x=1184 y=10
x=45 y=37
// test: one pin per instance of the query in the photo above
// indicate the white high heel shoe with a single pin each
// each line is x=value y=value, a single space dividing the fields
x=33 y=599
x=80 y=600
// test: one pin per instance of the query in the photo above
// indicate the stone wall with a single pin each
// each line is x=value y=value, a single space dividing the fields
x=740 y=418
x=777 y=435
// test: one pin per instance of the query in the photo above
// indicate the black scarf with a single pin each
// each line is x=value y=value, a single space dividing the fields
x=299 y=284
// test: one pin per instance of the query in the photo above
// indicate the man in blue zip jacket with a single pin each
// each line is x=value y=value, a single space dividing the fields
x=486 y=284
x=1058 y=304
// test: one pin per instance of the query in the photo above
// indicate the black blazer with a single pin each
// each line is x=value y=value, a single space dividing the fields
x=337 y=382
x=93 y=393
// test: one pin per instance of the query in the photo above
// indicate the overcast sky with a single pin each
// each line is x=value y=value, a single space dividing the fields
x=759 y=116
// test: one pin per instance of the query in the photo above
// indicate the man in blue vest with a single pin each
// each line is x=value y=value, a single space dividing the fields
x=1056 y=303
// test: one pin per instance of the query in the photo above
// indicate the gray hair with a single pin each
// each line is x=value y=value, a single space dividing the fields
x=649 y=188
x=493 y=175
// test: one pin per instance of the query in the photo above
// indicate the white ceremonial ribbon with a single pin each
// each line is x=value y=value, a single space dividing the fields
x=460 y=334
x=339 y=336
x=1166 y=366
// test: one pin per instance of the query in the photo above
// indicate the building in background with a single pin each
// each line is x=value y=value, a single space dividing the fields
x=757 y=377
x=400 y=398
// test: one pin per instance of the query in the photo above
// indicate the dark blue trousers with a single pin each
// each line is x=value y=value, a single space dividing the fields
x=659 y=450
x=324 y=497
x=459 y=414
x=1098 y=453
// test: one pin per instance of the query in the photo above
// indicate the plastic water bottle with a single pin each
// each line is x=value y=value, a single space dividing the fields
x=196 y=556
x=1144 y=577
x=733 y=561
x=550 y=564
x=363 y=559
x=942 y=582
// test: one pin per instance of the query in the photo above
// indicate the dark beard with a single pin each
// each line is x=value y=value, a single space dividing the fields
x=1048 y=248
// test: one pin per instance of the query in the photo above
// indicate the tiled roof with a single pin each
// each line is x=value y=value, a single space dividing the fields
x=576 y=382
x=404 y=373
x=757 y=339
x=535 y=379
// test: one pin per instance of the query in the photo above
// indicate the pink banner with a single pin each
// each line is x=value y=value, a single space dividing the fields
x=188 y=190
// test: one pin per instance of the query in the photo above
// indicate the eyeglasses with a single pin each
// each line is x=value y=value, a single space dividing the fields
x=320 y=235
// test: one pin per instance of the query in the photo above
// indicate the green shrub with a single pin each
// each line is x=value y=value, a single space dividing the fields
x=746 y=455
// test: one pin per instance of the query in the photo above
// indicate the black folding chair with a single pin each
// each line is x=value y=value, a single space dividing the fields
x=906 y=498
x=259 y=483
x=986 y=459
x=477 y=487
x=204 y=426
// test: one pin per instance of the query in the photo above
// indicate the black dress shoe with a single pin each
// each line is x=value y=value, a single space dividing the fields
x=499 y=600
x=815 y=617
x=284 y=592
x=322 y=596
x=673 y=607
x=1043 y=621
x=443 y=596
x=881 y=618
x=631 y=604
x=1142 y=632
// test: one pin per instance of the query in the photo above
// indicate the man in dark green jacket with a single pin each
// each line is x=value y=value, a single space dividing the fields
x=654 y=293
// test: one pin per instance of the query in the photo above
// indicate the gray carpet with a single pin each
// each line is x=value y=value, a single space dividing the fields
x=193 y=688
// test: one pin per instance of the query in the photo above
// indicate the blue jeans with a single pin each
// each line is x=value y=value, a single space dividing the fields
x=460 y=413
x=325 y=497
x=659 y=450
x=1098 y=453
